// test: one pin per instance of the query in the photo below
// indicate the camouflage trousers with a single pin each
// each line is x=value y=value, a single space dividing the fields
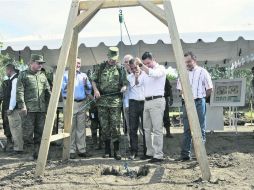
x=110 y=120
x=33 y=125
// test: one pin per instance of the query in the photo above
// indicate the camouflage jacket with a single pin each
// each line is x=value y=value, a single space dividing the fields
x=109 y=80
x=33 y=91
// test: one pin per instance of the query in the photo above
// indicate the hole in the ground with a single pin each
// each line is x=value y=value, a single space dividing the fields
x=135 y=172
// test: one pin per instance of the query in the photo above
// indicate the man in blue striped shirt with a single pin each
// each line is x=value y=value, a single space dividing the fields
x=82 y=88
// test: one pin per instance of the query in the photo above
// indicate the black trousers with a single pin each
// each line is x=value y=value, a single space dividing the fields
x=166 y=119
x=136 y=109
x=6 y=127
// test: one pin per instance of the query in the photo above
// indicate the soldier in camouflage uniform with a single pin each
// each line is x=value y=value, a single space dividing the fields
x=109 y=81
x=33 y=94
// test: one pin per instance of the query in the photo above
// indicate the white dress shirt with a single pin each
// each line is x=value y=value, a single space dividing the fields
x=154 y=81
x=13 y=93
x=136 y=92
x=200 y=81
x=126 y=97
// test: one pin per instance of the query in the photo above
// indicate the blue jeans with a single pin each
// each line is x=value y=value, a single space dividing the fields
x=187 y=140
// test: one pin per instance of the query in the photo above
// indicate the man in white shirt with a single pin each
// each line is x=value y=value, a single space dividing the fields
x=136 y=105
x=154 y=82
x=201 y=85
x=12 y=113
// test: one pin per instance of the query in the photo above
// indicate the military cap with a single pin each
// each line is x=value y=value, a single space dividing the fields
x=37 y=58
x=113 y=53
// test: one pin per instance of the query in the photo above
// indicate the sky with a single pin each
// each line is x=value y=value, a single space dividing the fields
x=46 y=19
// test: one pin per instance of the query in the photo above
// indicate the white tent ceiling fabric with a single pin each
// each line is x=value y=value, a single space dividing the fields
x=216 y=52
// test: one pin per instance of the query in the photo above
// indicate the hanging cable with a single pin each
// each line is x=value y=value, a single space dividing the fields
x=122 y=21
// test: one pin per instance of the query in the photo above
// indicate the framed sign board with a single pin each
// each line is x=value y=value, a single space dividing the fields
x=228 y=92
x=177 y=100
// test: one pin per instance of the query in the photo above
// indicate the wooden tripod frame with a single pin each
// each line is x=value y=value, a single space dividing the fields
x=81 y=12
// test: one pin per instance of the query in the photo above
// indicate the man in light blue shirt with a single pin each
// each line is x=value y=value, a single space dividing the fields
x=82 y=88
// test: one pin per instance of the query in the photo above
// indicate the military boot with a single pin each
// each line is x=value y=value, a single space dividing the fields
x=107 y=149
x=117 y=154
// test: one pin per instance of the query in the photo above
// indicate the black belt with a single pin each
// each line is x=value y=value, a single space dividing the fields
x=76 y=100
x=153 y=97
x=132 y=100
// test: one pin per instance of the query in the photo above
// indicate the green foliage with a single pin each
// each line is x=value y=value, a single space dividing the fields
x=219 y=72
x=171 y=77
x=4 y=60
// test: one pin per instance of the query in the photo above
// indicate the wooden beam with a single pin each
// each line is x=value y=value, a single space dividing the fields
x=59 y=136
x=187 y=93
x=82 y=20
x=154 y=10
x=84 y=5
x=51 y=113
x=68 y=107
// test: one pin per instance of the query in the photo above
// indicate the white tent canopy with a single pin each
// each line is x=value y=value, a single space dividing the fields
x=209 y=49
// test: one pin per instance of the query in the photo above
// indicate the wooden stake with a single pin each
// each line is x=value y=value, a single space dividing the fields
x=187 y=93
x=51 y=113
x=68 y=107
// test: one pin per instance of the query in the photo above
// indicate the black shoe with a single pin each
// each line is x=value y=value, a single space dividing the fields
x=183 y=159
x=145 y=157
x=84 y=155
x=155 y=160
x=72 y=155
